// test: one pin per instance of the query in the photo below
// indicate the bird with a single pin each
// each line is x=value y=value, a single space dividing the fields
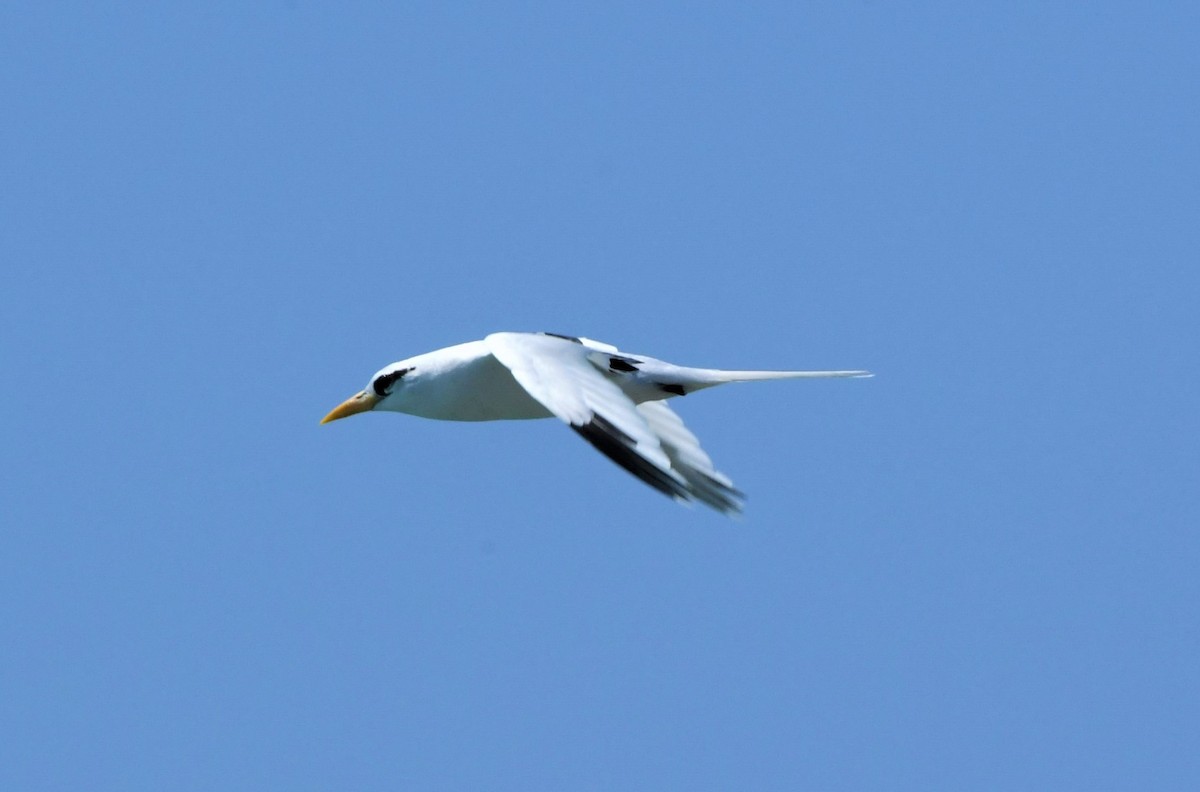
x=614 y=400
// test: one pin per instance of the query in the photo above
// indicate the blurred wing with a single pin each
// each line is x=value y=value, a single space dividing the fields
x=557 y=373
x=705 y=482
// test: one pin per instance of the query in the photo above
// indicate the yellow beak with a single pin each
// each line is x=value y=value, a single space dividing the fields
x=359 y=402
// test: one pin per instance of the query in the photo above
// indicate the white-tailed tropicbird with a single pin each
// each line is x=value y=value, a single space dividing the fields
x=614 y=400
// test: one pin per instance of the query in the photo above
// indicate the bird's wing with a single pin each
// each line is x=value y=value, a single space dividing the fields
x=557 y=373
x=705 y=482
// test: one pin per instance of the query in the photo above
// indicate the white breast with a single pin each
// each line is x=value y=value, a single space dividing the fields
x=463 y=383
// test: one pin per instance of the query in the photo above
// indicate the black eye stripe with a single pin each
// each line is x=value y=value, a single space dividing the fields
x=381 y=385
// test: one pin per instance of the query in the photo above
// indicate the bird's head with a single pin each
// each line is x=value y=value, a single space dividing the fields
x=383 y=387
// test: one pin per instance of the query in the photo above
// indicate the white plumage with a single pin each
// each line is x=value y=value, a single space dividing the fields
x=614 y=400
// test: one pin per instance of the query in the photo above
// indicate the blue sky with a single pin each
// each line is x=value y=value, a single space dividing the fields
x=975 y=571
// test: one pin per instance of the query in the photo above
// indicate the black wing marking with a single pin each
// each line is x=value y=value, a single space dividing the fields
x=572 y=339
x=624 y=364
x=689 y=460
x=621 y=448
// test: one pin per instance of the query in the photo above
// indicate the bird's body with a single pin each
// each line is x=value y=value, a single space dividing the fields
x=464 y=382
x=613 y=399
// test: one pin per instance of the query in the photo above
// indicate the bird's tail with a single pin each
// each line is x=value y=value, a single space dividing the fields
x=719 y=376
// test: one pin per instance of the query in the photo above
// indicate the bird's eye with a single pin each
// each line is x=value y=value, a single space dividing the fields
x=383 y=384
